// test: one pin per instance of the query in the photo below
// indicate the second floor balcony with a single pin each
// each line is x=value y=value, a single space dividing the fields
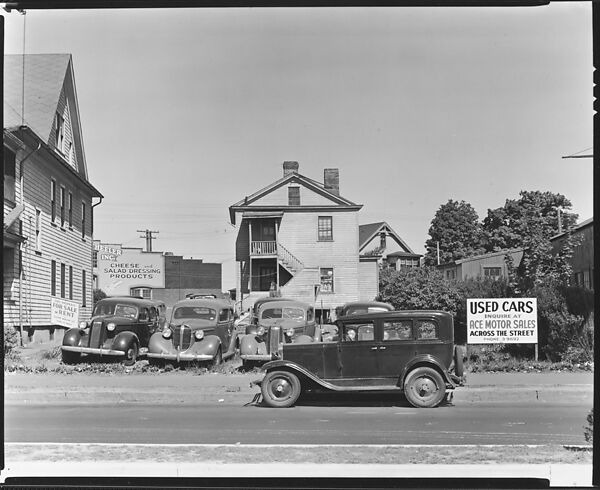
x=263 y=248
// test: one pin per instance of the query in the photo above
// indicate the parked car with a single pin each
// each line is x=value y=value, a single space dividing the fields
x=277 y=321
x=120 y=327
x=412 y=352
x=199 y=330
x=329 y=330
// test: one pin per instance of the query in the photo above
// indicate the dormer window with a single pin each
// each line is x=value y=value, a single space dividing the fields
x=59 y=131
x=294 y=196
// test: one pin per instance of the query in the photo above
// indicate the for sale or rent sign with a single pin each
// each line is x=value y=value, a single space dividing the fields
x=502 y=321
x=64 y=313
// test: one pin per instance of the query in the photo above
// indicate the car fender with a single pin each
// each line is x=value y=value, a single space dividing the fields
x=72 y=337
x=159 y=345
x=283 y=365
x=123 y=340
x=250 y=344
x=208 y=345
x=424 y=360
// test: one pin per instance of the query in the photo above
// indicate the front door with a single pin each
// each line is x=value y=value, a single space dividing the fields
x=357 y=351
x=267 y=275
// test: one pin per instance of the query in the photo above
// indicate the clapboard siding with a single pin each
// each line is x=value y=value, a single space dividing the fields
x=279 y=197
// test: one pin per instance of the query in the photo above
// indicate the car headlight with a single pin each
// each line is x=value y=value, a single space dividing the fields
x=111 y=326
x=166 y=333
x=199 y=334
x=289 y=332
x=260 y=331
x=352 y=334
x=82 y=325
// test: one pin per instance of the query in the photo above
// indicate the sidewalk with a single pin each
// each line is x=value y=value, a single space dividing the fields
x=559 y=475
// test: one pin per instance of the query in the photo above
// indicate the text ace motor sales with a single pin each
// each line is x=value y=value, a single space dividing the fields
x=502 y=320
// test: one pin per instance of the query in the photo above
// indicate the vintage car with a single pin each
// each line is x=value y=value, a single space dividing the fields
x=199 y=330
x=277 y=321
x=120 y=326
x=410 y=352
x=329 y=330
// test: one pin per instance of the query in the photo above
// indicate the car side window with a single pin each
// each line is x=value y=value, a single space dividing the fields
x=397 y=330
x=224 y=315
x=143 y=315
x=427 y=330
x=359 y=332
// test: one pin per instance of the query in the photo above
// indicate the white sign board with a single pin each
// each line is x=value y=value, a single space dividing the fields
x=502 y=321
x=64 y=313
x=121 y=269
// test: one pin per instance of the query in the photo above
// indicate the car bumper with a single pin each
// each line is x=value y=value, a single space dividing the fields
x=181 y=357
x=92 y=350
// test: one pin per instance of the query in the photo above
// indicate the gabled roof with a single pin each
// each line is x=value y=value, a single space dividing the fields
x=296 y=178
x=33 y=87
x=367 y=232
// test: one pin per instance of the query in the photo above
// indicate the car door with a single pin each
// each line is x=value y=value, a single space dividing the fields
x=396 y=347
x=358 y=350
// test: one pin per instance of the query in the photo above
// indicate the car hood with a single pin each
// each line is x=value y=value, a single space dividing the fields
x=283 y=323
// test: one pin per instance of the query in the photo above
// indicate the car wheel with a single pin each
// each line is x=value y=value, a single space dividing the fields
x=131 y=355
x=458 y=361
x=280 y=389
x=70 y=357
x=424 y=387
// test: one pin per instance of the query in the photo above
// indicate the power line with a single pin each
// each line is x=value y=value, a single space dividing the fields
x=148 y=236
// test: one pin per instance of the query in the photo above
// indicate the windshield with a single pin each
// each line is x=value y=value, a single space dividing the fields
x=289 y=313
x=104 y=309
x=200 y=312
x=365 y=309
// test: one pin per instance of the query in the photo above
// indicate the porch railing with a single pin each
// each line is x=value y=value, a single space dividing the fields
x=263 y=248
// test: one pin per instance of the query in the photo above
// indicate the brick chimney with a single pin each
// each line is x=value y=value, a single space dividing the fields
x=331 y=179
x=290 y=168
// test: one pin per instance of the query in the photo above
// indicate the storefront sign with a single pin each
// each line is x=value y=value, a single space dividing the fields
x=502 y=321
x=64 y=313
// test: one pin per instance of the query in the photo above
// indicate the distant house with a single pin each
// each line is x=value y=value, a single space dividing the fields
x=48 y=198
x=300 y=237
x=379 y=239
x=491 y=265
x=582 y=261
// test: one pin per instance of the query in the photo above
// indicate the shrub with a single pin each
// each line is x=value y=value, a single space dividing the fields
x=588 y=432
x=11 y=342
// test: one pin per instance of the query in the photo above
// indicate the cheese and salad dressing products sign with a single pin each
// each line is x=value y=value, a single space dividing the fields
x=502 y=321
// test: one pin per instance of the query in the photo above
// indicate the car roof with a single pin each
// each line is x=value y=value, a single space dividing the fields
x=367 y=303
x=398 y=314
x=129 y=299
x=286 y=302
x=206 y=302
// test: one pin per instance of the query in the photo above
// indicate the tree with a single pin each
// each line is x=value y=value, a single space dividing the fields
x=457 y=231
x=535 y=211
x=98 y=295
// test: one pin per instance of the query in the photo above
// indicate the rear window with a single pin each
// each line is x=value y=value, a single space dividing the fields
x=199 y=312
x=398 y=330
x=285 y=313
x=427 y=330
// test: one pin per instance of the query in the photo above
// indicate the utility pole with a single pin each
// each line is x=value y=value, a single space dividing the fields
x=148 y=236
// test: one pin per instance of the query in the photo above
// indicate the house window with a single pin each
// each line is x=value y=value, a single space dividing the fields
x=62 y=206
x=63 y=271
x=52 y=200
x=59 y=128
x=9 y=175
x=407 y=263
x=70 y=210
x=450 y=274
x=325 y=228
x=294 y=196
x=326 y=274
x=83 y=288
x=53 y=278
x=492 y=272
x=145 y=293
x=94 y=258
x=83 y=220
x=38 y=229
x=70 y=282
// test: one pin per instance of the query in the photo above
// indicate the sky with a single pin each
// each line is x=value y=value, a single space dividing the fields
x=186 y=111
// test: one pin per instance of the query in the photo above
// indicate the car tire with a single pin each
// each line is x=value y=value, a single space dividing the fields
x=458 y=361
x=131 y=354
x=70 y=357
x=424 y=387
x=280 y=389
